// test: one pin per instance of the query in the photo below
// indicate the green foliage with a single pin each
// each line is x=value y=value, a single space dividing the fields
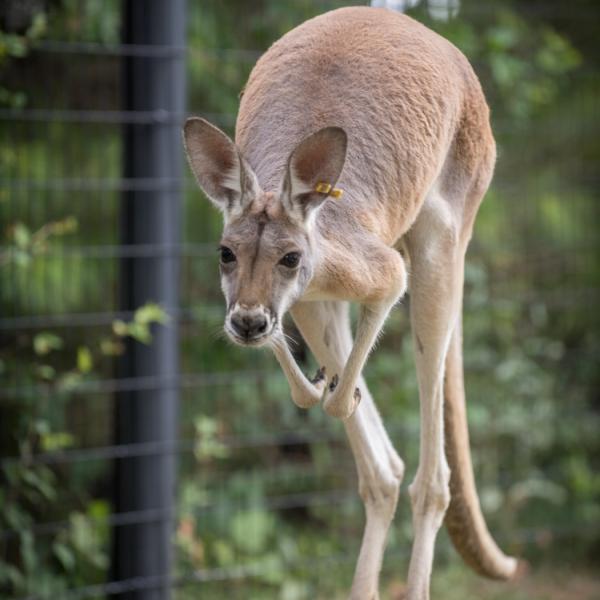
x=91 y=21
x=44 y=342
x=18 y=46
x=139 y=327
x=77 y=554
x=526 y=84
x=524 y=62
x=23 y=244
x=208 y=446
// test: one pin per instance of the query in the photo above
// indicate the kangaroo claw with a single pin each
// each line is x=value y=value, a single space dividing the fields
x=319 y=376
x=333 y=383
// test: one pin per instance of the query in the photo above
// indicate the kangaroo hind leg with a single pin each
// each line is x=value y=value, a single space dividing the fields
x=326 y=328
x=437 y=260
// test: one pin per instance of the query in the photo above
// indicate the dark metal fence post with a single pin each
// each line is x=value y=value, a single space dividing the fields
x=154 y=82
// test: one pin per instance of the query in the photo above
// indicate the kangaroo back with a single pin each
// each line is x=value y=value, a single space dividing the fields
x=397 y=88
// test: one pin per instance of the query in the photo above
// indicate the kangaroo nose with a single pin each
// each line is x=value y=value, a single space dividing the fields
x=249 y=326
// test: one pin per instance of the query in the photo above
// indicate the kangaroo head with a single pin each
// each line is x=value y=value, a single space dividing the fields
x=267 y=252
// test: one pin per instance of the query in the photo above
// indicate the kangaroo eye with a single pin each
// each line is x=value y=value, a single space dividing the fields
x=290 y=260
x=227 y=256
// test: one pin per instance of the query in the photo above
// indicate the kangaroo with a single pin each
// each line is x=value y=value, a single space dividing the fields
x=362 y=152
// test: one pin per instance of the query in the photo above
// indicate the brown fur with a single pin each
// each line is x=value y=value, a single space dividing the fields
x=406 y=111
x=390 y=83
x=413 y=110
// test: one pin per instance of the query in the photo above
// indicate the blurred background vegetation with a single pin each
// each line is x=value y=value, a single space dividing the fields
x=267 y=502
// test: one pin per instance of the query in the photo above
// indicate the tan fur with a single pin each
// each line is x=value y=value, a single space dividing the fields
x=378 y=105
x=388 y=82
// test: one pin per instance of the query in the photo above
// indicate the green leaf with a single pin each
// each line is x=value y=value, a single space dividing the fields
x=21 y=235
x=64 y=555
x=10 y=576
x=57 y=440
x=21 y=258
x=207 y=443
x=46 y=372
x=42 y=480
x=556 y=55
x=120 y=328
x=139 y=327
x=85 y=361
x=224 y=553
x=85 y=539
x=13 y=45
x=273 y=571
x=11 y=98
x=44 y=342
x=151 y=313
x=252 y=529
x=506 y=69
x=38 y=26
x=28 y=553
x=64 y=226
x=111 y=347
x=70 y=380
x=15 y=517
x=140 y=332
x=98 y=509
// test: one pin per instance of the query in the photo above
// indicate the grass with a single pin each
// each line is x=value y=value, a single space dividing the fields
x=457 y=583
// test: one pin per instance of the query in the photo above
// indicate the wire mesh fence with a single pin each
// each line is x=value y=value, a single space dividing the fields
x=265 y=503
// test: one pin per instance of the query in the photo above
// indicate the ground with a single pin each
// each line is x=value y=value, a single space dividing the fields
x=545 y=584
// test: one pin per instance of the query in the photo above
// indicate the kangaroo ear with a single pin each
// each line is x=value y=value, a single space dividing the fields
x=218 y=166
x=318 y=159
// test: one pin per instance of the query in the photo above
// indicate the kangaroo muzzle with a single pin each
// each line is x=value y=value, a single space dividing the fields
x=249 y=325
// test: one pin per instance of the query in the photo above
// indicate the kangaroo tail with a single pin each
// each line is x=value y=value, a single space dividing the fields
x=464 y=519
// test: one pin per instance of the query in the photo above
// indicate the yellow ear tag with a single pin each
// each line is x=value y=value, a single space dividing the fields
x=323 y=188
x=327 y=188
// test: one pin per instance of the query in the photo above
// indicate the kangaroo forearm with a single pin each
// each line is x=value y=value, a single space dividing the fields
x=305 y=393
